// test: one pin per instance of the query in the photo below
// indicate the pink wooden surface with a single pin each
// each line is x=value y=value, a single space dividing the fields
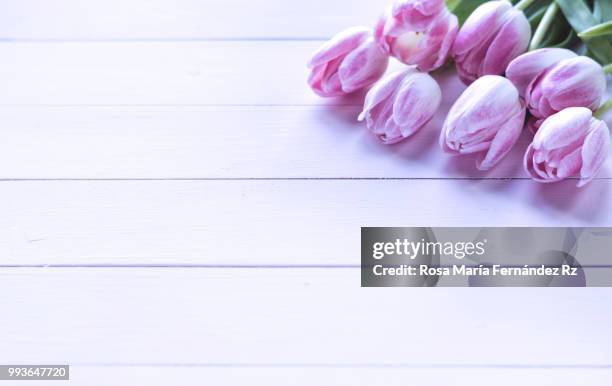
x=160 y=158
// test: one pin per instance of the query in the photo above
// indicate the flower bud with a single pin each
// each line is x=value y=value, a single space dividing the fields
x=418 y=32
x=350 y=61
x=524 y=69
x=573 y=82
x=487 y=119
x=493 y=35
x=401 y=104
x=568 y=143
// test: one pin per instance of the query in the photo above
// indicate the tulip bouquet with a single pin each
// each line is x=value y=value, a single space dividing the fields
x=535 y=65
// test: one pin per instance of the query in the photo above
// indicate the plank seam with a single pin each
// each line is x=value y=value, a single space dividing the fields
x=187 y=179
x=516 y=366
x=229 y=266
x=168 y=40
x=179 y=266
x=128 y=105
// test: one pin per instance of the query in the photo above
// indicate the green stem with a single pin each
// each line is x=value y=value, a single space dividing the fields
x=547 y=20
x=603 y=109
x=523 y=4
x=608 y=69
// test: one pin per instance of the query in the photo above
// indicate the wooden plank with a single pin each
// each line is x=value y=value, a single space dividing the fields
x=141 y=141
x=155 y=375
x=181 y=19
x=222 y=142
x=286 y=317
x=216 y=73
x=262 y=222
x=167 y=73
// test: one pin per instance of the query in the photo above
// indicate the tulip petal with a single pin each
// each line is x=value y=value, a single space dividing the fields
x=339 y=45
x=563 y=128
x=433 y=50
x=416 y=102
x=416 y=14
x=324 y=79
x=541 y=170
x=570 y=164
x=478 y=27
x=534 y=96
x=393 y=27
x=594 y=151
x=391 y=135
x=379 y=33
x=423 y=7
x=504 y=140
x=510 y=41
x=475 y=147
x=381 y=117
x=331 y=85
x=575 y=82
x=487 y=106
x=417 y=32
x=471 y=64
x=383 y=89
x=363 y=66
x=315 y=76
x=452 y=29
x=525 y=68
x=483 y=105
x=530 y=166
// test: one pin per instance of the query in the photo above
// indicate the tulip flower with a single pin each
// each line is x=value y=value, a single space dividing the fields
x=418 y=32
x=350 y=61
x=524 y=69
x=401 y=104
x=573 y=82
x=493 y=35
x=570 y=142
x=487 y=119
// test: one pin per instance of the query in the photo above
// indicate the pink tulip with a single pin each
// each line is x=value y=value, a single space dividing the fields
x=401 y=104
x=350 y=61
x=569 y=142
x=573 y=82
x=493 y=35
x=418 y=32
x=524 y=69
x=487 y=118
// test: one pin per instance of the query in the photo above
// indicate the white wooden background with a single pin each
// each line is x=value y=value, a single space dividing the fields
x=176 y=207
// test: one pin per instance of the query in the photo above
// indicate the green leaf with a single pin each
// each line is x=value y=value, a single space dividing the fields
x=536 y=7
x=463 y=8
x=598 y=30
x=603 y=10
x=544 y=33
x=569 y=41
x=452 y=4
x=597 y=11
x=579 y=16
x=536 y=18
x=558 y=35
